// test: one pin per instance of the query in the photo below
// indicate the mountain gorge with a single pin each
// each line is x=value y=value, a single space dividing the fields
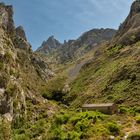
x=42 y=92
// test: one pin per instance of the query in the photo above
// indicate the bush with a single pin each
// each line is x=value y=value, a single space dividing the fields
x=137 y=109
x=10 y=89
x=8 y=56
x=38 y=128
x=114 y=49
x=5 y=130
x=123 y=110
x=81 y=125
x=18 y=122
x=21 y=137
x=138 y=119
x=74 y=135
x=134 y=136
x=113 y=128
x=62 y=119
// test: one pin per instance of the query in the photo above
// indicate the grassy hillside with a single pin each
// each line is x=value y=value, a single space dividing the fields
x=113 y=76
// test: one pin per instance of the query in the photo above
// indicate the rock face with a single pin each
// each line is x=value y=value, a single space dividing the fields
x=20 y=40
x=20 y=32
x=87 y=41
x=21 y=71
x=50 y=45
x=76 y=48
x=6 y=20
x=129 y=30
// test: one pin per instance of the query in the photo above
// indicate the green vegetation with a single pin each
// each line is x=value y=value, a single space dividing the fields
x=114 y=50
x=80 y=125
x=21 y=137
x=8 y=57
x=5 y=130
x=134 y=136
x=54 y=89
x=108 y=79
x=41 y=107
x=138 y=119
x=113 y=128
x=10 y=89
x=28 y=130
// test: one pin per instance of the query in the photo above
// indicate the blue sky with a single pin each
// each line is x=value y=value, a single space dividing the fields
x=66 y=19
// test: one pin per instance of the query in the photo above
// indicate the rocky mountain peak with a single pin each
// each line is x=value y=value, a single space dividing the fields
x=6 y=20
x=20 y=32
x=76 y=48
x=135 y=8
x=50 y=44
x=129 y=30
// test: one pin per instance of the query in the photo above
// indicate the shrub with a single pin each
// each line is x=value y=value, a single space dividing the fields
x=123 y=110
x=94 y=116
x=18 y=122
x=10 y=89
x=8 y=56
x=138 y=119
x=134 y=136
x=72 y=135
x=21 y=137
x=38 y=128
x=113 y=128
x=62 y=119
x=82 y=127
x=114 y=49
x=5 y=130
x=137 y=109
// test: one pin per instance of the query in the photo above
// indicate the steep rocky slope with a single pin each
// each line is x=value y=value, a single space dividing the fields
x=49 y=46
x=129 y=30
x=22 y=74
x=68 y=51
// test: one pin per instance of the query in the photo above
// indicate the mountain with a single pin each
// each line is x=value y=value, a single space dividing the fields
x=49 y=46
x=112 y=73
x=129 y=30
x=22 y=75
x=75 y=48
x=40 y=103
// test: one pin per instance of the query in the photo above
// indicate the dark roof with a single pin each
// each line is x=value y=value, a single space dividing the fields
x=98 y=105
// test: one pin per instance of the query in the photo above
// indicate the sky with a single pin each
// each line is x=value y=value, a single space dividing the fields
x=66 y=19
